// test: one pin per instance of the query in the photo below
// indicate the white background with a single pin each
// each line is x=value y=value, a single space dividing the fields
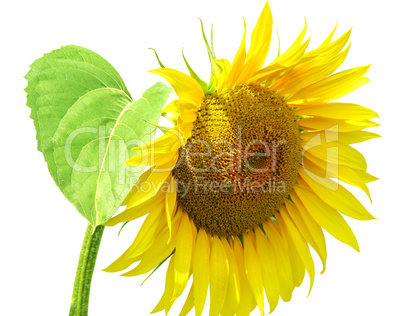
x=41 y=233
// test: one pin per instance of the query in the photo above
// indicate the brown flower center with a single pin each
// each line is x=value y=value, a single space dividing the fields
x=240 y=162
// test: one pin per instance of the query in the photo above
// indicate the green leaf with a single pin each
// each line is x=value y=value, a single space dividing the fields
x=215 y=69
x=202 y=83
x=157 y=57
x=86 y=123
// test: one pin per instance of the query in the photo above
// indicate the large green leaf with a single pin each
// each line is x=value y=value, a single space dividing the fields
x=86 y=123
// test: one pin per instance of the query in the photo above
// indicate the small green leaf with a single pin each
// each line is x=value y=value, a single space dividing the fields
x=163 y=129
x=157 y=57
x=157 y=267
x=202 y=83
x=279 y=43
x=86 y=123
x=215 y=69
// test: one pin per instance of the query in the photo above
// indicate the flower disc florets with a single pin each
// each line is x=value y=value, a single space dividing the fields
x=241 y=160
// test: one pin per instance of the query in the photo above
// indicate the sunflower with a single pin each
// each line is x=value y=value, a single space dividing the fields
x=246 y=181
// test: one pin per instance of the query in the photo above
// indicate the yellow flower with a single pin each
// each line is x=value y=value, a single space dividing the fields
x=244 y=183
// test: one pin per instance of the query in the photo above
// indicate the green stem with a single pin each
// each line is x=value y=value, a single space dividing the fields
x=85 y=270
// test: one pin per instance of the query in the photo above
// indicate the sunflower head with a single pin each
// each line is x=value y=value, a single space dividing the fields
x=246 y=180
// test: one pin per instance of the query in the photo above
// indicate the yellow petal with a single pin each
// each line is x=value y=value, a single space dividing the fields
x=165 y=301
x=142 y=179
x=356 y=137
x=328 y=48
x=259 y=46
x=306 y=73
x=314 y=228
x=186 y=109
x=296 y=55
x=309 y=229
x=337 y=168
x=153 y=159
x=337 y=110
x=298 y=268
x=329 y=37
x=219 y=278
x=268 y=268
x=170 y=204
x=184 y=250
x=132 y=254
x=295 y=51
x=151 y=189
x=343 y=173
x=158 y=252
x=147 y=233
x=282 y=260
x=164 y=143
x=337 y=196
x=346 y=138
x=188 y=304
x=225 y=66
x=247 y=302
x=253 y=271
x=233 y=293
x=226 y=312
x=332 y=87
x=138 y=211
x=160 y=151
x=238 y=63
x=299 y=243
x=366 y=177
x=344 y=126
x=201 y=268
x=184 y=86
x=327 y=217
x=337 y=153
x=267 y=73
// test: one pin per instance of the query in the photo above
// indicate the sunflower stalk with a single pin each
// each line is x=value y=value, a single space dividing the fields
x=85 y=270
